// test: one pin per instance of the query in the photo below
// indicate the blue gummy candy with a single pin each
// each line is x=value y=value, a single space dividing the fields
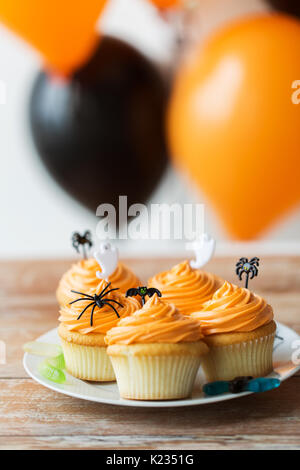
x=216 y=388
x=262 y=384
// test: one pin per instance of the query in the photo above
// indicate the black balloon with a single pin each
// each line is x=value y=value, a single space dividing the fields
x=101 y=134
x=288 y=6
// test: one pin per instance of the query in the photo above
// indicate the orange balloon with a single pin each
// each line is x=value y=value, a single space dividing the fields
x=63 y=31
x=232 y=123
x=165 y=3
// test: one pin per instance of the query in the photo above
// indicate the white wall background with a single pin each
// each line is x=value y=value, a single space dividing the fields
x=37 y=217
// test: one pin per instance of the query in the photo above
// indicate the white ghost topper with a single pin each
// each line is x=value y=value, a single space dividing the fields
x=204 y=249
x=107 y=256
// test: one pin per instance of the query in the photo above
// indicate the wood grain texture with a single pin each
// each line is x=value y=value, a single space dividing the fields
x=33 y=417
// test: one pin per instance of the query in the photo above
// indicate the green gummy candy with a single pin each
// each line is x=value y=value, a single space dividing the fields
x=48 y=371
x=58 y=361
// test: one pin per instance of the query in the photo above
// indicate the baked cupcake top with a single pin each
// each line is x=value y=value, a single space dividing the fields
x=186 y=287
x=233 y=309
x=82 y=277
x=102 y=318
x=157 y=322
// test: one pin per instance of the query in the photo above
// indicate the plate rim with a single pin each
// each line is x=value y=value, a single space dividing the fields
x=143 y=403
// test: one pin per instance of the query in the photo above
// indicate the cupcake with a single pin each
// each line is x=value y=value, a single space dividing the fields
x=239 y=330
x=82 y=277
x=156 y=352
x=186 y=287
x=83 y=325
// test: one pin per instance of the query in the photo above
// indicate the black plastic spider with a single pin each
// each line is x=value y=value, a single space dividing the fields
x=82 y=240
x=98 y=300
x=243 y=266
x=143 y=291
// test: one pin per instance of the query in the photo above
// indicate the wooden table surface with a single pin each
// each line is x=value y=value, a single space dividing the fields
x=33 y=417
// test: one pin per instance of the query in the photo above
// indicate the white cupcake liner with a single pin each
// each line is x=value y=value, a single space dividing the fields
x=88 y=362
x=155 y=377
x=252 y=357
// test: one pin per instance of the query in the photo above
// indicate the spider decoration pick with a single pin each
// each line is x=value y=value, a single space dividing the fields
x=97 y=300
x=82 y=240
x=250 y=268
x=143 y=291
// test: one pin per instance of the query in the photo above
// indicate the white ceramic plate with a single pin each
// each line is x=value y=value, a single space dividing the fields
x=108 y=392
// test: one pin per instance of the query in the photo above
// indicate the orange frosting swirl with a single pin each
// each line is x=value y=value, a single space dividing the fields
x=233 y=309
x=103 y=319
x=157 y=322
x=186 y=287
x=82 y=277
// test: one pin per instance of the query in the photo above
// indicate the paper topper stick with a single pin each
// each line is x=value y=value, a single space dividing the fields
x=204 y=249
x=247 y=267
x=79 y=242
x=107 y=257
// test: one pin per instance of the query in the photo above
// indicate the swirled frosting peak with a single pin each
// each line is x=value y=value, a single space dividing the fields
x=186 y=287
x=103 y=318
x=157 y=322
x=82 y=277
x=233 y=309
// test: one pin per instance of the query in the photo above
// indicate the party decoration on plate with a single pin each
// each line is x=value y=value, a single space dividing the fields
x=79 y=241
x=97 y=300
x=241 y=384
x=226 y=127
x=50 y=372
x=58 y=361
x=143 y=291
x=99 y=132
x=284 y=369
x=52 y=367
x=63 y=32
x=107 y=256
x=250 y=268
x=204 y=250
